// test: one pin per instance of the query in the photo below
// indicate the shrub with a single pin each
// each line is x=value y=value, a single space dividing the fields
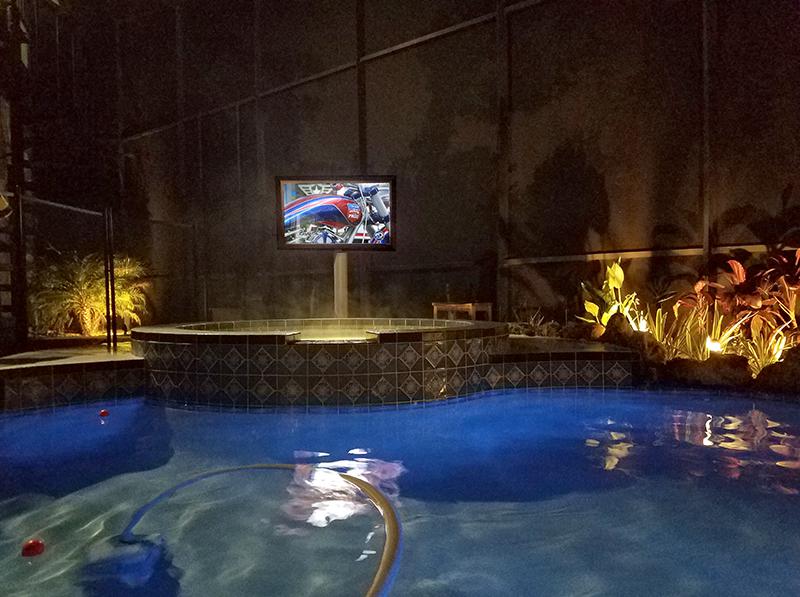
x=69 y=293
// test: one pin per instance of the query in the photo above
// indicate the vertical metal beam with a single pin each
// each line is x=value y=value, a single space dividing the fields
x=241 y=278
x=16 y=171
x=112 y=275
x=73 y=69
x=107 y=278
x=119 y=105
x=361 y=87
x=180 y=82
x=180 y=109
x=705 y=136
x=203 y=215
x=502 y=59
x=58 y=60
x=256 y=46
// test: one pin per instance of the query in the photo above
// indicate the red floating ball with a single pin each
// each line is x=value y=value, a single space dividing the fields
x=33 y=547
x=104 y=413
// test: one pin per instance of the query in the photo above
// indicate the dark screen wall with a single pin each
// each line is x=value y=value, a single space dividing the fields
x=604 y=122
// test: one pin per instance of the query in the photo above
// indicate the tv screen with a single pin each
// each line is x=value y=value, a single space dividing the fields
x=340 y=213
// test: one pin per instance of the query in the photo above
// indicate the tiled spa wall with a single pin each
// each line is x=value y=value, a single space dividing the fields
x=50 y=386
x=238 y=372
x=255 y=370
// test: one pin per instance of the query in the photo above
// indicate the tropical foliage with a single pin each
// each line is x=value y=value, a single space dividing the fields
x=751 y=312
x=607 y=300
x=68 y=294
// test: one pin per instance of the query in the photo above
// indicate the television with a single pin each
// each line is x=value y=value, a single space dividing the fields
x=336 y=212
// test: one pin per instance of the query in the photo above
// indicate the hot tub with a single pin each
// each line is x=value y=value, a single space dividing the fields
x=316 y=362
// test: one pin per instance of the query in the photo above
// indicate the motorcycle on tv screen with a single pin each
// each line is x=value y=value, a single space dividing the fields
x=339 y=213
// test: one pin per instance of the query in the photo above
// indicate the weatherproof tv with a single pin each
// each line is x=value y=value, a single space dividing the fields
x=336 y=212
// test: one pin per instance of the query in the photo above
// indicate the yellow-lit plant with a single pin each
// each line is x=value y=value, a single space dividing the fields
x=766 y=343
x=689 y=334
x=69 y=293
x=752 y=312
x=601 y=303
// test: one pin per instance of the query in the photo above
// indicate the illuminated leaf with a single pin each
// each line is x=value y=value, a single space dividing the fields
x=782 y=450
x=591 y=308
x=615 y=275
x=592 y=443
x=619 y=450
x=793 y=464
x=739 y=274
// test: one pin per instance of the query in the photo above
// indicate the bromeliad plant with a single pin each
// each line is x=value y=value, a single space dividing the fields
x=601 y=303
x=69 y=293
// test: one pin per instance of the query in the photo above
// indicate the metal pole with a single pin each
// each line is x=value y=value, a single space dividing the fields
x=16 y=173
x=502 y=290
x=364 y=258
x=340 y=285
x=112 y=278
x=705 y=154
x=107 y=276
x=196 y=275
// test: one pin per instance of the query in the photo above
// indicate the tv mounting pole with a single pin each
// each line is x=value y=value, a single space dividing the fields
x=340 y=284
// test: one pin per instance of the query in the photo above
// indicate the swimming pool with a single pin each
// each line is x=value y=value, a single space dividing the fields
x=573 y=492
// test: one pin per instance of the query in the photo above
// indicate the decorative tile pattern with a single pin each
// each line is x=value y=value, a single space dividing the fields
x=474 y=349
x=411 y=358
x=435 y=384
x=353 y=390
x=322 y=360
x=383 y=388
x=410 y=387
x=234 y=390
x=563 y=373
x=233 y=359
x=207 y=387
x=475 y=380
x=515 y=375
x=35 y=391
x=186 y=357
x=354 y=358
x=261 y=390
x=455 y=353
x=618 y=374
x=292 y=390
x=540 y=374
x=99 y=384
x=323 y=391
x=68 y=387
x=402 y=368
x=456 y=382
x=382 y=358
x=588 y=372
x=292 y=360
x=263 y=360
x=494 y=377
x=433 y=354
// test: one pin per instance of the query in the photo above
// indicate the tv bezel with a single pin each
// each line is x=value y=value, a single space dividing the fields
x=281 y=231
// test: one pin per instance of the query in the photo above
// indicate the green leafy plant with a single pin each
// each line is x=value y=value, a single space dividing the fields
x=601 y=303
x=690 y=334
x=765 y=344
x=69 y=294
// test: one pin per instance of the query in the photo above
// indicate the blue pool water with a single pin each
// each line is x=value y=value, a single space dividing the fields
x=512 y=493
